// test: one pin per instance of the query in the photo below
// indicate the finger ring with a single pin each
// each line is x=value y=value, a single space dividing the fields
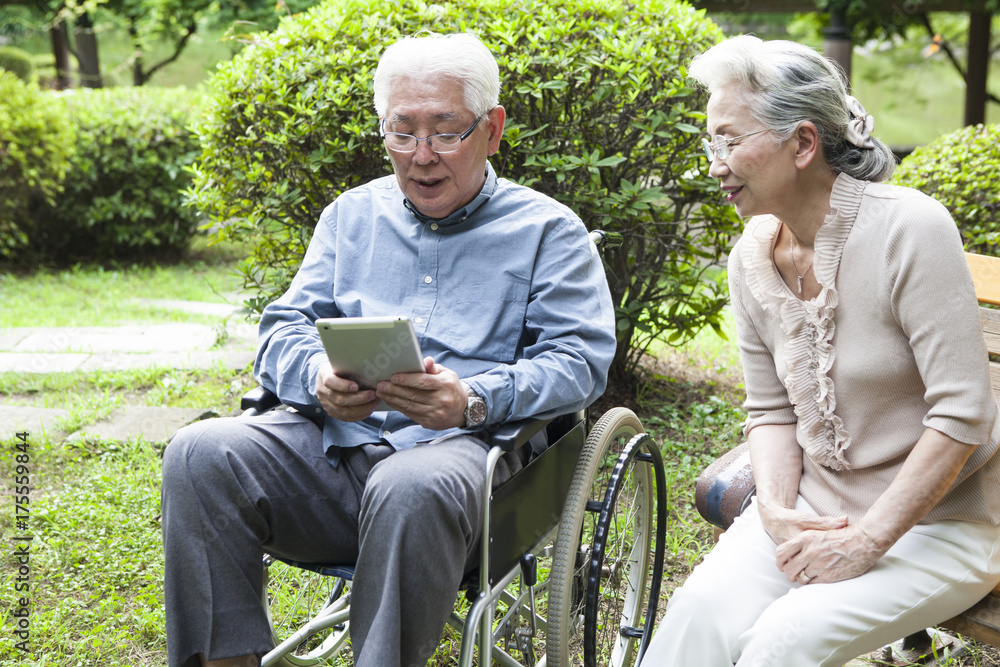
x=805 y=578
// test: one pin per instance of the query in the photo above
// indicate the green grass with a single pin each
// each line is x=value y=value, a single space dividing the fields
x=94 y=296
x=96 y=558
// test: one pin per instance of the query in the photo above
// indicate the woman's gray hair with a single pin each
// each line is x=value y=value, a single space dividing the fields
x=788 y=83
x=460 y=57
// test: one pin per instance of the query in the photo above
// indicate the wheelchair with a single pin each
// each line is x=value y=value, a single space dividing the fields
x=570 y=560
x=569 y=572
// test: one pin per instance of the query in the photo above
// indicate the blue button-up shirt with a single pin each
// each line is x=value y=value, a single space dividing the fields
x=508 y=292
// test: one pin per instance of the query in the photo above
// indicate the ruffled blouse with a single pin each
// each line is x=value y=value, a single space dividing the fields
x=808 y=325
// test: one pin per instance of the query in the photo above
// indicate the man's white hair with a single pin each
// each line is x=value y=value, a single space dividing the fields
x=460 y=57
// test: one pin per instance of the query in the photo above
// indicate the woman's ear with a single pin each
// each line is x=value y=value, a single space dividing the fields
x=807 y=144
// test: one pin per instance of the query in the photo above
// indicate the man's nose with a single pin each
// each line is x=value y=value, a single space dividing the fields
x=424 y=154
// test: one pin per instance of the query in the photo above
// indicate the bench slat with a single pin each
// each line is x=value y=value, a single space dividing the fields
x=986 y=277
x=990 y=317
x=995 y=379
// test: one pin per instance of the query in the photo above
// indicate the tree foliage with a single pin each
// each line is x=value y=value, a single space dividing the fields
x=600 y=116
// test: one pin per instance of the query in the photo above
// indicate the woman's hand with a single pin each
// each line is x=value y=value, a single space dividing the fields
x=784 y=524
x=826 y=556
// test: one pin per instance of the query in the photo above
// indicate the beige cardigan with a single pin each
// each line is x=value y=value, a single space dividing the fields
x=891 y=345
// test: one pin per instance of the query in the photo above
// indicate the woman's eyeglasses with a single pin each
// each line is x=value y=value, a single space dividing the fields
x=720 y=147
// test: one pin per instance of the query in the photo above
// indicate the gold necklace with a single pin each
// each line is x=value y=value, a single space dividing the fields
x=791 y=252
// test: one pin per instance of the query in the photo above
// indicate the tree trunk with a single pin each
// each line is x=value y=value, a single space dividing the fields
x=977 y=67
x=86 y=53
x=138 y=76
x=60 y=49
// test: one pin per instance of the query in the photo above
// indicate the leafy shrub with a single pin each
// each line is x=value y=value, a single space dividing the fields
x=599 y=117
x=36 y=142
x=960 y=171
x=18 y=62
x=123 y=195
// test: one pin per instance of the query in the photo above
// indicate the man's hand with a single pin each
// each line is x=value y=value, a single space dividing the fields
x=784 y=524
x=435 y=399
x=826 y=556
x=343 y=399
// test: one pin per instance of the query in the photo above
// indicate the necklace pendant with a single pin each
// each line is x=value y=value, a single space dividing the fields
x=800 y=283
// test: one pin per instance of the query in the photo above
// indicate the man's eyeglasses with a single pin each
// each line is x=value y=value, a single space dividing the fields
x=439 y=143
x=720 y=147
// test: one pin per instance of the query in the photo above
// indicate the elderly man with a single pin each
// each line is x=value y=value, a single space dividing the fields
x=509 y=301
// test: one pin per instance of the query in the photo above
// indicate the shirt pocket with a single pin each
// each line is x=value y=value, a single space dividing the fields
x=487 y=320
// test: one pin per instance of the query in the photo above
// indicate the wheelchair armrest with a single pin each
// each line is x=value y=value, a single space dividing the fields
x=606 y=240
x=259 y=400
x=514 y=435
x=725 y=488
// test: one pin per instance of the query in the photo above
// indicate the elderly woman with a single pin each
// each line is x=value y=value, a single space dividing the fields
x=871 y=423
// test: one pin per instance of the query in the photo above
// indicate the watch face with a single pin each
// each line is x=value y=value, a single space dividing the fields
x=475 y=413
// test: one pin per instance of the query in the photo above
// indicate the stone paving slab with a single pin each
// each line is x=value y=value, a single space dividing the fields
x=16 y=418
x=35 y=362
x=38 y=362
x=155 y=424
x=171 y=345
x=232 y=359
x=174 y=337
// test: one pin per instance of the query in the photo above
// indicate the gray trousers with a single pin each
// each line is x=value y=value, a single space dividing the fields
x=234 y=488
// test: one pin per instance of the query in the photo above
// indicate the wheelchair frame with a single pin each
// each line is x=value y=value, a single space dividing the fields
x=590 y=509
x=603 y=584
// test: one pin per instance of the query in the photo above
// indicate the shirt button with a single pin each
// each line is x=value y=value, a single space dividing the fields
x=428 y=280
x=418 y=320
x=319 y=410
x=434 y=226
x=386 y=434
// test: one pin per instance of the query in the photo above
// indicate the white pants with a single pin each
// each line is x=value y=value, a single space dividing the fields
x=738 y=608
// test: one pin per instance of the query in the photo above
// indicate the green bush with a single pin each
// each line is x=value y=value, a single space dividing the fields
x=599 y=116
x=960 y=171
x=36 y=142
x=18 y=62
x=123 y=196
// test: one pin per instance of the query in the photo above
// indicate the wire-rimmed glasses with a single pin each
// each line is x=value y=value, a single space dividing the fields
x=720 y=147
x=401 y=142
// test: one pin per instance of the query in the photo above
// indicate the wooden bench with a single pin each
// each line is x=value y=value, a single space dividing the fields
x=725 y=488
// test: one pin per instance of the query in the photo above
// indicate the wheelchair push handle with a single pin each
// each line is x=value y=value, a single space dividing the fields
x=606 y=240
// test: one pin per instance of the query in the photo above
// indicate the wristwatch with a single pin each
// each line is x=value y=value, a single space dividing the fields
x=475 y=411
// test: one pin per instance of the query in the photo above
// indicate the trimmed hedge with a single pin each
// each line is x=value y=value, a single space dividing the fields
x=122 y=198
x=36 y=143
x=18 y=62
x=960 y=171
x=599 y=116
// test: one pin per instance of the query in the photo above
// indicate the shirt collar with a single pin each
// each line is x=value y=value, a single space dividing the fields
x=489 y=187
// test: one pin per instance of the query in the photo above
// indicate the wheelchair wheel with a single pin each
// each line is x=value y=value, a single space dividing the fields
x=294 y=599
x=617 y=623
x=625 y=557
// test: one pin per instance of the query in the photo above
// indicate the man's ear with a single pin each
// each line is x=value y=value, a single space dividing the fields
x=807 y=144
x=496 y=118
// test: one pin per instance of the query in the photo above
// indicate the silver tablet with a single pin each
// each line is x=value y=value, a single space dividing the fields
x=370 y=349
